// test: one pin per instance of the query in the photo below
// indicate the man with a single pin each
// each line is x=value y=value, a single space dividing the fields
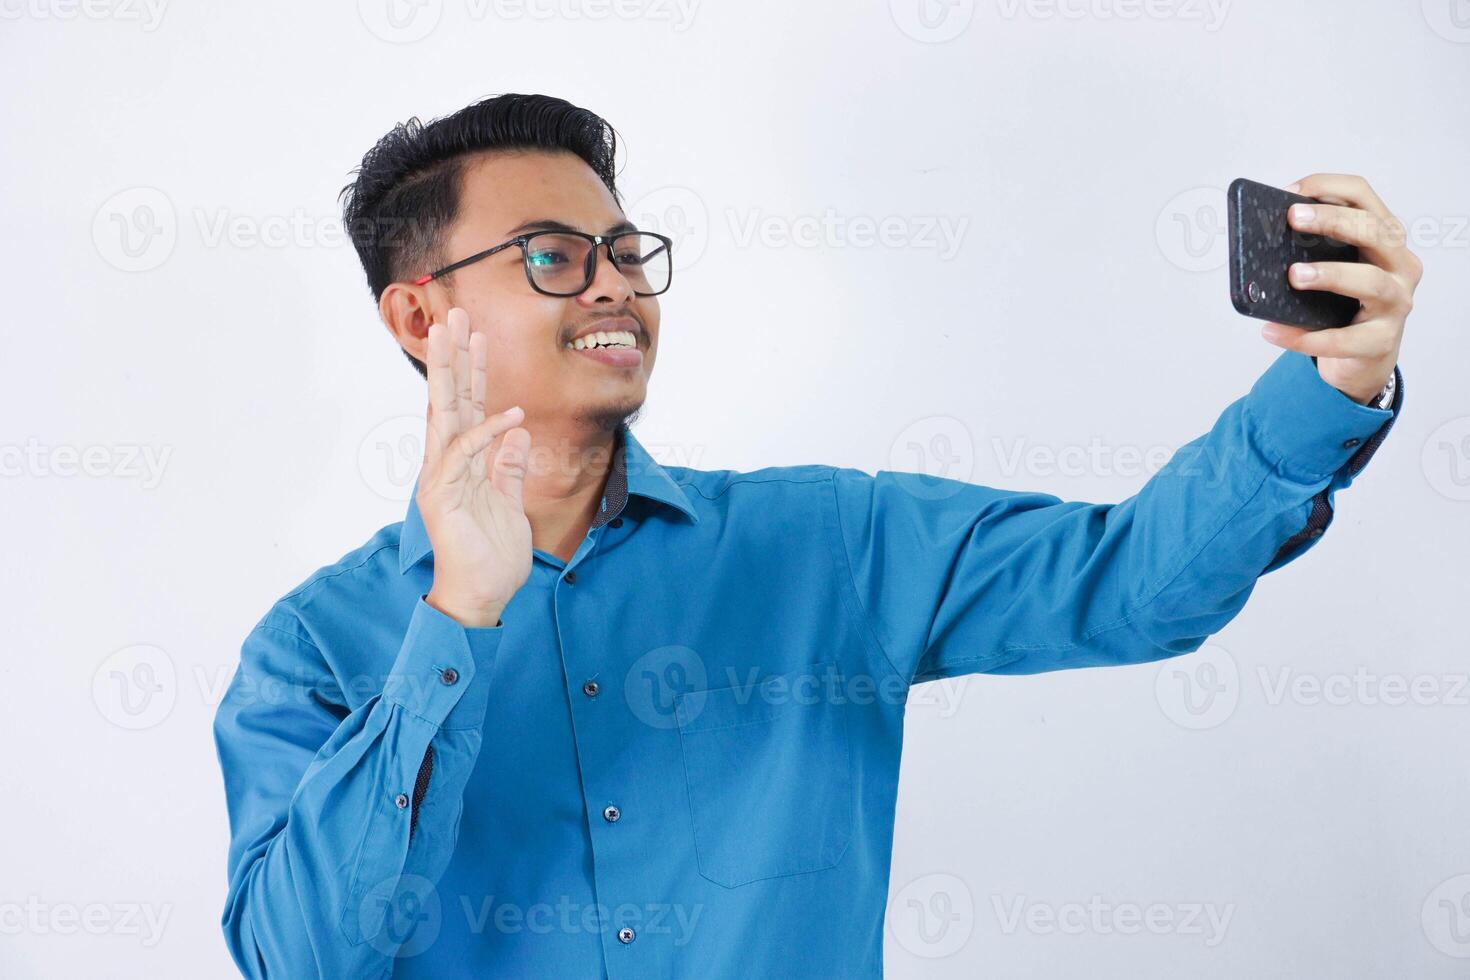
x=582 y=715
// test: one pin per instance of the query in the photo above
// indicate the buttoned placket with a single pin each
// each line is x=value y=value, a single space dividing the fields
x=614 y=851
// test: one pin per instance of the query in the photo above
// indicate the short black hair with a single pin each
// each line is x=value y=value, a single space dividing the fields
x=406 y=193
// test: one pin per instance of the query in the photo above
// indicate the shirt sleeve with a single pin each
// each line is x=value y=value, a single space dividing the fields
x=340 y=820
x=956 y=578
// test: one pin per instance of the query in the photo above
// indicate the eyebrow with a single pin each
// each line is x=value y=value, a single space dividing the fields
x=551 y=224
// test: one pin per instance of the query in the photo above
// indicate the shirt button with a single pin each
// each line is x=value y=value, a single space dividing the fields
x=611 y=814
x=625 y=935
x=402 y=800
x=616 y=522
x=571 y=578
x=450 y=675
x=590 y=689
x=1351 y=443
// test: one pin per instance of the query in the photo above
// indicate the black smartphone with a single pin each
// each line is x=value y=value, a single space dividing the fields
x=1263 y=246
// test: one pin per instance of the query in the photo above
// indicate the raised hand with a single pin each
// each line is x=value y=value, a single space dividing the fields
x=1357 y=359
x=470 y=490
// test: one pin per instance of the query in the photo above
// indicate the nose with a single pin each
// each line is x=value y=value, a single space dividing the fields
x=608 y=284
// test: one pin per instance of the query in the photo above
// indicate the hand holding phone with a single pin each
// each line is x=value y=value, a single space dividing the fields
x=1263 y=247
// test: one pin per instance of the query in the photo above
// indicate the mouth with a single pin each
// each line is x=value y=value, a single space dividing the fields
x=614 y=343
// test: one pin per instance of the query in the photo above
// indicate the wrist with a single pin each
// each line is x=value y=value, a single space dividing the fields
x=471 y=613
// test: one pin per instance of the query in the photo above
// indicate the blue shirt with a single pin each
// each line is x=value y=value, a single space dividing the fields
x=678 y=753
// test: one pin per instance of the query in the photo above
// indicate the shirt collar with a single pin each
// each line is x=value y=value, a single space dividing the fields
x=633 y=473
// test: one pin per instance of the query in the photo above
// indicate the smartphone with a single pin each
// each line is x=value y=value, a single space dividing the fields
x=1263 y=246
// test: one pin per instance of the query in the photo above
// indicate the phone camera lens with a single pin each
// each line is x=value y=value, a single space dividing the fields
x=1253 y=292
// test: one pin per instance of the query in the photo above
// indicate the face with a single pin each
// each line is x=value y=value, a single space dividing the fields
x=531 y=364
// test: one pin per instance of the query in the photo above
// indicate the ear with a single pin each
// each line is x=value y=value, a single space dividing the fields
x=407 y=312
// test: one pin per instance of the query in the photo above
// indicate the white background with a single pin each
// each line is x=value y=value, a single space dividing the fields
x=1082 y=150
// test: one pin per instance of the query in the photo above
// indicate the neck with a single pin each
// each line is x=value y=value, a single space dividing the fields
x=567 y=473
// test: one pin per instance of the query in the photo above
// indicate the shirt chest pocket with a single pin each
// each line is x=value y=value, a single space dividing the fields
x=769 y=776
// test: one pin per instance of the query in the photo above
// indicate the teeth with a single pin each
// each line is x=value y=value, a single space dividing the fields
x=610 y=338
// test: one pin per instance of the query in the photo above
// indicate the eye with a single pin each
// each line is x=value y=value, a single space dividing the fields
x=547 y=257
x=630 y=258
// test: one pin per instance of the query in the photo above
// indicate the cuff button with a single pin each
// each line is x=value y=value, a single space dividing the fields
x=1351 y=443
x=450 y=676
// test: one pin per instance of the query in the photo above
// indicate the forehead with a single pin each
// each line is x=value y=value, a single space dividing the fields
x=501 y=190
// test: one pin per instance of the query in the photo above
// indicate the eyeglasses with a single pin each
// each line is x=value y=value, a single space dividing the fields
x=564 y=263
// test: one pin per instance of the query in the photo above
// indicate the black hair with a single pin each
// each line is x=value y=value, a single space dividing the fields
x=405 y=195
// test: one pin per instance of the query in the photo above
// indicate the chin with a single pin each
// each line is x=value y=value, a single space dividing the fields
x=610 y=417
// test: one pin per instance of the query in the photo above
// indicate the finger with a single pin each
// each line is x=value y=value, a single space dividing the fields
x=459 y=329
x=443 y=421
x=509 y=469
x=1371 y=339
x=1377 y=290
x=478 y=439
x=1352 y=225
x=1382 y=240
x=479 y=367
x=479 y=355
x=1348 y=189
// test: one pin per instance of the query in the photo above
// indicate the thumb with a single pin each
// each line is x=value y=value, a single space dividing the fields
x=508 y=471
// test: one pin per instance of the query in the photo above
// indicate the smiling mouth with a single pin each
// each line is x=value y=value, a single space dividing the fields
x=613 y=339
